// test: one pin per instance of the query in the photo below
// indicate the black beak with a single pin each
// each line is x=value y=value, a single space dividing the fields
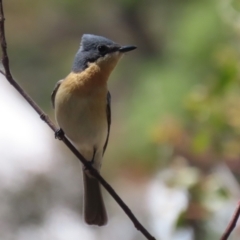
x=126 y=49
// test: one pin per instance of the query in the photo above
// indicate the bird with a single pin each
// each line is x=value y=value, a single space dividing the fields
x=82 y=104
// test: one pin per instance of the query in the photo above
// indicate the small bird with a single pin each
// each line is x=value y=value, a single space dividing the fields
x=83 y=112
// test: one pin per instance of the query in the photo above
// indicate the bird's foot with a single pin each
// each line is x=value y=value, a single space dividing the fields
x=59 y=134
x=85 y=168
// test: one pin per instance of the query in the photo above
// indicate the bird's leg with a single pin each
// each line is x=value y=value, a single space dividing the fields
x=59 y=134
x=92 y=161
x=94 y=152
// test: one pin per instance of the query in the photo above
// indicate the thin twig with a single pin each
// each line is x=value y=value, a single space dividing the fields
x=232 y=224
x=46 y=119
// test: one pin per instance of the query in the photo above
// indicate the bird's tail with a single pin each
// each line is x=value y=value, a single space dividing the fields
x=94 y=208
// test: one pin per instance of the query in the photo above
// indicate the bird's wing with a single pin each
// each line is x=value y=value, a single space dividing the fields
x=108 y=110
x=54 y=92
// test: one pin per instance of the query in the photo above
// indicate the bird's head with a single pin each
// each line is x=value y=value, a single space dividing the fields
x=99 y=50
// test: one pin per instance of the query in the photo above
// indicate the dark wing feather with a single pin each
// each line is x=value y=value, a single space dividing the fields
x=108 y=111
x=54 y=92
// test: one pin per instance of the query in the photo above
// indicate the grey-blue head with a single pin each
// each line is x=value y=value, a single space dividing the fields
x=96 y=48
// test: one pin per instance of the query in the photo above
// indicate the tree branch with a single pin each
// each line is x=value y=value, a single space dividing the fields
x=46 y=119
x=232 y=224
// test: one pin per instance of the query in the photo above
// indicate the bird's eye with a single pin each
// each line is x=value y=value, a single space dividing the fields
x=102 y=48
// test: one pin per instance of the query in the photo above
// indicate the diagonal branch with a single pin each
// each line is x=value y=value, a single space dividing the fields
x=46 y=119
x=232 y=224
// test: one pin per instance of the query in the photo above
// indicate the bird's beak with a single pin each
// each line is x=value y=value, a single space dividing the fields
x=124 y=49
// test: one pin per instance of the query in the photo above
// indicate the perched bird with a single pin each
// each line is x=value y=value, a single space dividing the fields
x=83 y=112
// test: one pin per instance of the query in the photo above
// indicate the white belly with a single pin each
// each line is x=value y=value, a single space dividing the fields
x=84 y=121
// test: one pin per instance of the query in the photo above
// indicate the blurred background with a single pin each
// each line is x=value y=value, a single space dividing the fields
x=174 y=147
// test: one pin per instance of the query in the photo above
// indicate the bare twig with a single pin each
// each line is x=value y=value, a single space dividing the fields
x=46 y=119
x=232 y=223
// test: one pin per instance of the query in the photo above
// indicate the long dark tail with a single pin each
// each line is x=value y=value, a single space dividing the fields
x=94 y=208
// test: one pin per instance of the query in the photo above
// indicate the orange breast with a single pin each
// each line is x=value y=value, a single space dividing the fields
x=84 y=82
